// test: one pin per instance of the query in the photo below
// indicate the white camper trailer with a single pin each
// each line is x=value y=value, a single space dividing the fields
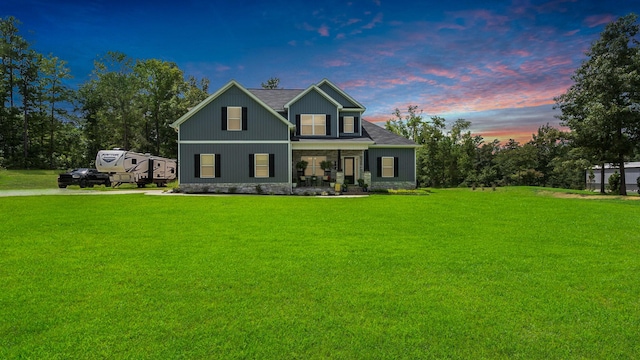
x=131 y=167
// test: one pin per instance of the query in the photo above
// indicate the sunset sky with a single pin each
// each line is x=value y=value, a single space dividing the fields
x=495 y=63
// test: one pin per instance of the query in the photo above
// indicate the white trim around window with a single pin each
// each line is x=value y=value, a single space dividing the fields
x=313 y=124
x=348 y=124
x=261 y=165
x=207 y=166
x=388 y=167
x=234 y=118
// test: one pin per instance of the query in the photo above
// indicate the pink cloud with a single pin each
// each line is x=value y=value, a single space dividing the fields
x=336 y=63
x=352 y=21
x=491 y=20
x=595 y=20
x=571 y=33
x=222 y=68
x=323 y=30
x=376 y=20
x=522 y=53
x=354 y=84
x=501 y=69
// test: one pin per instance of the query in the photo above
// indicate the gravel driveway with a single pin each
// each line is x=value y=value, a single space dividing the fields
x=34 y=192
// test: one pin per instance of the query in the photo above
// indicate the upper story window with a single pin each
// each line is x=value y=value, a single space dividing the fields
x=313 y=124
x=348 y=126
x=234 y=118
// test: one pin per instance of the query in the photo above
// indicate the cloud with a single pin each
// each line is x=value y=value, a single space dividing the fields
x=336 y=63
x=596 y=20
x=376 y=20
x=323 y=30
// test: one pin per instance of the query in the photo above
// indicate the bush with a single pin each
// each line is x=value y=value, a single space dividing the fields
x=614 y=182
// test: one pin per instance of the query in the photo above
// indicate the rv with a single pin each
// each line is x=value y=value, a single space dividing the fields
x=131 y=167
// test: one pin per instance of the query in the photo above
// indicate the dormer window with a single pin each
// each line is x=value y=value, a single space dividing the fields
x=313 y=124
x=348 y=125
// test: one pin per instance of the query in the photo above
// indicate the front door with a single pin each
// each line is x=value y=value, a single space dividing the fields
x=349 y=170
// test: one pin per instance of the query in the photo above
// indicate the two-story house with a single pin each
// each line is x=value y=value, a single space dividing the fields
x=242 y=140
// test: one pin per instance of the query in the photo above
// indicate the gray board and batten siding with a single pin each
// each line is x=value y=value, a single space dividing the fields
x=315 y=103
x=206 y=124
x=234 y=162
x=405 y=163
x=346 y=103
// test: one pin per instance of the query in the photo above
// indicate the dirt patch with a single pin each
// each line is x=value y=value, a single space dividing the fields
x=587 y=196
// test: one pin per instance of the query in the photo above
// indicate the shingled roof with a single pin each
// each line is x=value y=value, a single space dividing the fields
x=383 y=136
x=276 y=98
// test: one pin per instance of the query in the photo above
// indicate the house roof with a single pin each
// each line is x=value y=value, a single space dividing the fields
x=383 y=137
x=276 y=98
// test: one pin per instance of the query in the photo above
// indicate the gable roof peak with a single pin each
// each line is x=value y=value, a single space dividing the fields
x=219 y=92
x=307 y=90
x=341 y=92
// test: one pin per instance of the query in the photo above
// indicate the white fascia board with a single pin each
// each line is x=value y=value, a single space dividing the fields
x=313 y=87
x=330 y=145
x=395 y=146
x=358 y=110
x=341 y=92
x=220 y=91
x=235 y=142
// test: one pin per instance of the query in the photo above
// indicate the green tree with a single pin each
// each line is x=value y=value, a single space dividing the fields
x=602 y=107
x=56 y=93
x=162 y=84
x=272 y=83
x=119 y=87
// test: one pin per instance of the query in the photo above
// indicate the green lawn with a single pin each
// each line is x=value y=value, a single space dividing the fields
x=456 y=274
x=28 y=179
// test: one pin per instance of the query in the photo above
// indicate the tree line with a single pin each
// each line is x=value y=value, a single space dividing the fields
x=126 y=103
x=451 y=156
x=601 y=108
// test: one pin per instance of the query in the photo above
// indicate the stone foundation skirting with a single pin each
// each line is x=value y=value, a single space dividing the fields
x=236 y=188
x=386 y=185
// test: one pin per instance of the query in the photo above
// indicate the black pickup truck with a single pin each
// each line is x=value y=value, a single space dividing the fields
x=83 y=177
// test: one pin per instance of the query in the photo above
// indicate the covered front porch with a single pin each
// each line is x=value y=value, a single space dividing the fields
x=325 y=168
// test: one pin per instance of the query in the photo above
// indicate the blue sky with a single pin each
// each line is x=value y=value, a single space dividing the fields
x=495 y=63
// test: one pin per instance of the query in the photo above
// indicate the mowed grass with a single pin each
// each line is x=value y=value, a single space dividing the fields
x=456 y=274
x=29 y=179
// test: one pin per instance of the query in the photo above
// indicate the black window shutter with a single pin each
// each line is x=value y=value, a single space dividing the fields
x=366 y=160
x=298 y=124
x=196 y=165
x=328 y=124
x=251 y=166
x=395 y=166
x=356 y=124
x=379 y=167
x=341 y=123
x=217 y=165
x=244 y=118
x=223 y=116
x=272 y=165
